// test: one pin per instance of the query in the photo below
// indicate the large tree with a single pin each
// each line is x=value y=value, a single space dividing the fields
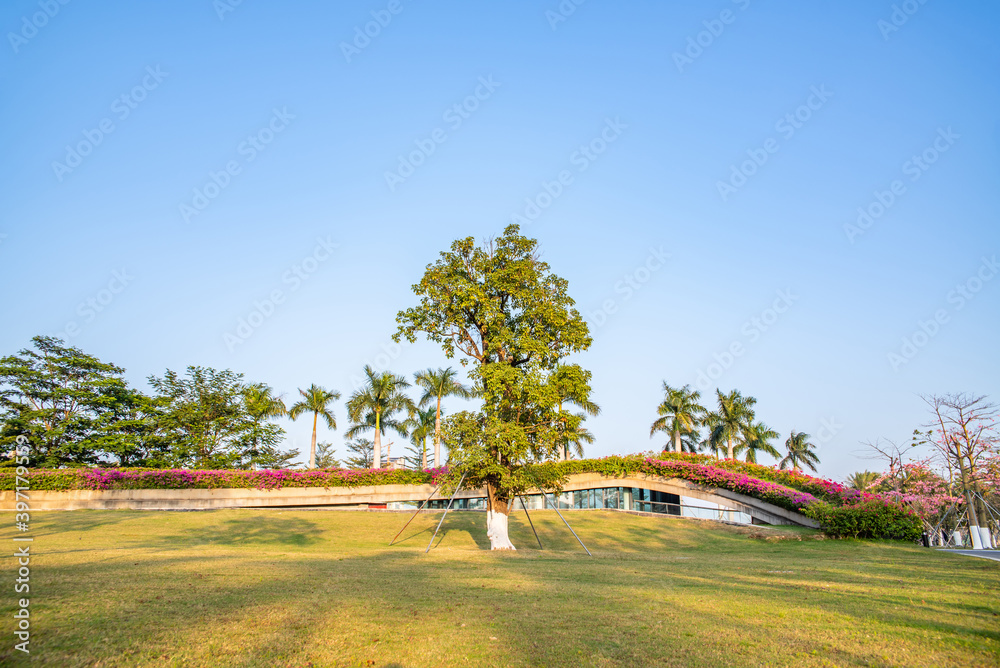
x=64 y=401
x=315 y=400
x=133 y=434
x=375 y=406
x=680 y=414
x=500 y=307
x=439 y=384
x=727 y=425
x=205 y=416
x=963 y=432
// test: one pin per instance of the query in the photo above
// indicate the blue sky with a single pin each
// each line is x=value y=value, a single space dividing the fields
x=805 y=112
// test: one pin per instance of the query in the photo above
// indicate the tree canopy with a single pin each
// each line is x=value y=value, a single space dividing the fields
x=501 y=308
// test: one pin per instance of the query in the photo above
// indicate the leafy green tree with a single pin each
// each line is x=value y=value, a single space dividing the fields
x=272 y=458
x=325 y=456
x=800 y=452
x=63 y=400
x=205 y=417
x=363 y=452
x=315 y=400
x=262 y=436
x=132 y=432
x=375 y=405
x=501 y=308
x=680 y=414
x=439 y=384
x=727 y=425
x=757 y=437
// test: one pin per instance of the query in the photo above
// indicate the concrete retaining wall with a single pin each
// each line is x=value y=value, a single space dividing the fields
x=362 y=497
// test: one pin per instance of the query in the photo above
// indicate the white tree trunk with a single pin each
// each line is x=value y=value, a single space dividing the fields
x=986 y=537
x=975 y=537
x=496 y=531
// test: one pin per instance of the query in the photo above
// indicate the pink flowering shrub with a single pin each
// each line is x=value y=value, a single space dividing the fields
x=105 y=479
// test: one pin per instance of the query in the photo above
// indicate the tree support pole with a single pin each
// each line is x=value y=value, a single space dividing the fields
x=556 y=506
x=530 y=522
x=452 y=499
x=415 y=514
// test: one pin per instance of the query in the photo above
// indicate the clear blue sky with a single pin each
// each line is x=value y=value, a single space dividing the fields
x=677 y=118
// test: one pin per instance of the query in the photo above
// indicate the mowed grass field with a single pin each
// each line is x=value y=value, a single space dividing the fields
x=323 y=588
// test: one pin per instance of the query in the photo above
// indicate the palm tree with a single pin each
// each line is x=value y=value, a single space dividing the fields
x=421 y=426
x=727 y=424
x=758 y=437
x=571 y=383
x=373 y=408
x=862 y=480
x=438 y=384
x=680 y=413
x=800 y=451
x=315 y=400
x=262 y=406
x=575 y=435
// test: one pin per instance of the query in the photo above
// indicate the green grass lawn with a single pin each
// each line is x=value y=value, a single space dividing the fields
x=322 y=588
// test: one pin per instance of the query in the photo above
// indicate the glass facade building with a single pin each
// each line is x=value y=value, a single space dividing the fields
x=606 y=498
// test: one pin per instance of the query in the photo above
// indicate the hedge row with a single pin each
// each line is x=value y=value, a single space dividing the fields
x=105 y=479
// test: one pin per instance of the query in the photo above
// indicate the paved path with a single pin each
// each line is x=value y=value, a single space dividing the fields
x=983 y=554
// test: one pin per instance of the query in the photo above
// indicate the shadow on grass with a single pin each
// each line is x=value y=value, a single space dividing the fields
x=264 y=613
x=281 y=605
x=260 y=530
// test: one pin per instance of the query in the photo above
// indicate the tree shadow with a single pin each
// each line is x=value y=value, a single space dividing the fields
x=286 y=602
x=259 y=530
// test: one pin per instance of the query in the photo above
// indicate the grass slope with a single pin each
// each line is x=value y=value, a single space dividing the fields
x=320 y=588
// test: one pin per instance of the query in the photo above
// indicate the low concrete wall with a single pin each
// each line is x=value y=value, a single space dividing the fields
x=362 y=497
